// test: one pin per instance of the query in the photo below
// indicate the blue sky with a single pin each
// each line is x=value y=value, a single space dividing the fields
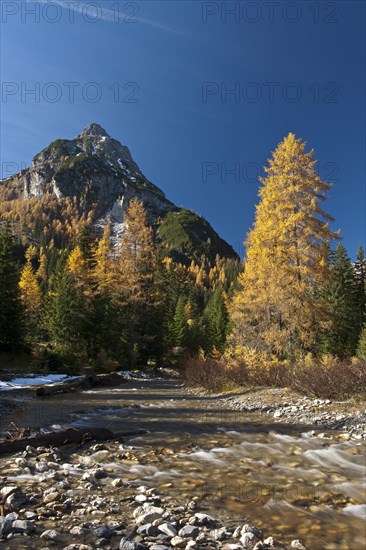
x=196 y=90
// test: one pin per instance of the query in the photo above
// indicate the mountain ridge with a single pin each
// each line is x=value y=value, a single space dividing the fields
x=102 y=175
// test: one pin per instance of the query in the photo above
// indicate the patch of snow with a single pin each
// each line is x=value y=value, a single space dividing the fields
x=33 y=380
x=56 y=427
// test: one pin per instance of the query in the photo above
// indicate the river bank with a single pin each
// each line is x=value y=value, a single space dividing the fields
x=286 y=406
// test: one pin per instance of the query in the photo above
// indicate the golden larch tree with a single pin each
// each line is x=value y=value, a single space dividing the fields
x=31 y=297
x=29 y=289
x=137 y=285
x=277 y=307
x=104 y=267
x=137 y=254
x=77 y=265
x=42 y=268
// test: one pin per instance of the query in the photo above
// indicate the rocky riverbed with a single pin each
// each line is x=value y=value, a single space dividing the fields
x=69 y=500
x=249 y=470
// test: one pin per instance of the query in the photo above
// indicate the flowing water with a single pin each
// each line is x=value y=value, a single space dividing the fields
x=242 y=467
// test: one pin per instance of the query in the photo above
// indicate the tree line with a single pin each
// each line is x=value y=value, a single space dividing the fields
x=101 y=305
x=94 y=303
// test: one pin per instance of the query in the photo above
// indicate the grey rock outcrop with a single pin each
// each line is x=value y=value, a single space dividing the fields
x=101 y=174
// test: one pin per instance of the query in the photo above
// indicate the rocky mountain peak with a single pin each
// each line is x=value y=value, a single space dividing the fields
x=94 y=129
x=100 y=173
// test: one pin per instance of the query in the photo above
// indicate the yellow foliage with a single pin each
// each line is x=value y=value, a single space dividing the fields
x=31 y=253
x=276 y=308
x=62 y=216
x=104 y=269
x=307 y=360
x=327 y=360
x=137 y=257
x=30 y=293
x=188 y=312
x=76 y=264
x=42 y=269
x=215 y=353
x=201 y=354
x=168 y=263
x=253 y=358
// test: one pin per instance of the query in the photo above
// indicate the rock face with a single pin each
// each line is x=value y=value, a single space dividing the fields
x=95 y=166
x=102 y=174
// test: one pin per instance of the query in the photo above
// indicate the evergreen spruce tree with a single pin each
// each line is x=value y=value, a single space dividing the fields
x=179 y=324
x=10 y=305
x=216 y=321
x=64 y=315
x=85 y=242
x=195 y=337
x=169 y=289
x=276 y=308
x=359 y=270
x=361 y=348
x=342 y=337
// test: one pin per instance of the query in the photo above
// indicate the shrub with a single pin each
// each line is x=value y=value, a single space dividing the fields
x=361 y=349
x=204 y=372
x=260 y=367
x=330 y=377
x=324 y=377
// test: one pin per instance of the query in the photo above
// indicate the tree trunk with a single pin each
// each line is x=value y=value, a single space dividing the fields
x=80 y=384
x=64 y=437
